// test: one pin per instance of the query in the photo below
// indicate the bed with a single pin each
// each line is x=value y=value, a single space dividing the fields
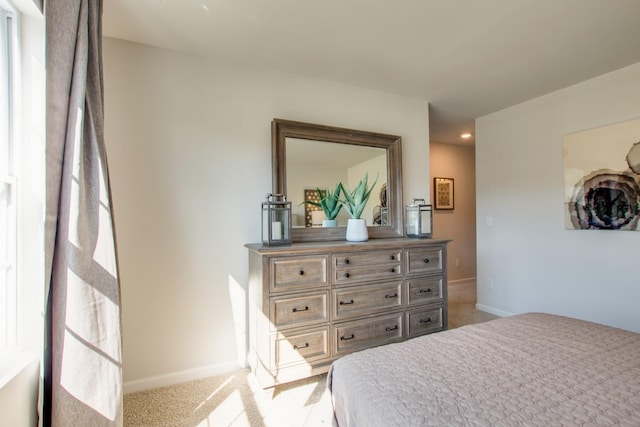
x=525 y=370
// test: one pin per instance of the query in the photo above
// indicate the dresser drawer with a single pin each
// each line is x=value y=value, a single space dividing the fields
x=366 y=333
x=366 y=299
x=370 y=265
x=422 y=290
x=298 y=272
x=298 y=310
x=420 y=322
x=425 y=260
x=358 y=259
x=298 y=347
x=313 y=302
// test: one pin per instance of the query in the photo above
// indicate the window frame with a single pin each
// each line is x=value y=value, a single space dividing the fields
x=9 y=72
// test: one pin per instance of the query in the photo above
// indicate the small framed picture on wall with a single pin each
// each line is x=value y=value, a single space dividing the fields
x=443 y=193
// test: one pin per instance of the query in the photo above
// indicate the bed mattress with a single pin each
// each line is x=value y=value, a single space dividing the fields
x=525 y=370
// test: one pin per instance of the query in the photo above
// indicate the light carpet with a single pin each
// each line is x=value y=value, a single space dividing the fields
x=235 y=399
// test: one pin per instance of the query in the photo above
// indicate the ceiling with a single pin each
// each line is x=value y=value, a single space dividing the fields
x=467 y=58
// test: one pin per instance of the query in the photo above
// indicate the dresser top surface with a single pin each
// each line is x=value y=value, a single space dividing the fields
x=341 y=245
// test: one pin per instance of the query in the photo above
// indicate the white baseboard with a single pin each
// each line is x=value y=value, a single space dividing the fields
x=494 y=311
x=467 y=281
x=179 y=377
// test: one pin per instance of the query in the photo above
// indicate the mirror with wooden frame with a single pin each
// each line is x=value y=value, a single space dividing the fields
x=307 y=157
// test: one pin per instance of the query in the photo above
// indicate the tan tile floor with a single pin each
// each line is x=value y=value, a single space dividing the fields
x=462 y=306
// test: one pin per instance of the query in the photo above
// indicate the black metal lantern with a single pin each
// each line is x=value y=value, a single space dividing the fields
x=276 y=220
x=419 y=219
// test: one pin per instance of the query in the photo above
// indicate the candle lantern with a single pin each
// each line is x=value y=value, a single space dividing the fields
x=276 y=220
x=419 y=219
x=384 y=215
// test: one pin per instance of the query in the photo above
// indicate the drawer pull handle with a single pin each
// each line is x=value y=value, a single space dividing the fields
x=347 y=338
x=425 y=291
x=394 y=295
x=346 y=302
x=392 y=257
x=346 y=261
x=347 y=275
x=388 y=329
x=302 y=272
x=298 y=347
x=426 y=260
x=392 y=270
x=425 y=321
x=306 y=308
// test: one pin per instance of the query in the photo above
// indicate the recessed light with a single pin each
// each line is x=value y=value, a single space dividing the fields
x=465 y=135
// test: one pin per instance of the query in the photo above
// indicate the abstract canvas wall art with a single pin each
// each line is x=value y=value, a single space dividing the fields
x=602 y=178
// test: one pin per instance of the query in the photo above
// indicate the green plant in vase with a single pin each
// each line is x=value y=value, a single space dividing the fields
x=357 y=199
x=330 y=204
x=355 y=202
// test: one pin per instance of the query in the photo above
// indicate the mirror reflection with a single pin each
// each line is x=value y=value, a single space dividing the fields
x=313 y=165
x=306 y=156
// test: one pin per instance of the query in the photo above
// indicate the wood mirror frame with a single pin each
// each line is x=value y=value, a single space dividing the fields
x=282 y=129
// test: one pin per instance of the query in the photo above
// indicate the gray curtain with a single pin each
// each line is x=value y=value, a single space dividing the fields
x=82 y=359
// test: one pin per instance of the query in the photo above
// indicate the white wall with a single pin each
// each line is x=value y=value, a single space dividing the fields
x=19 y=392
x=535 y=264
x=459 y=224
x=189 y=149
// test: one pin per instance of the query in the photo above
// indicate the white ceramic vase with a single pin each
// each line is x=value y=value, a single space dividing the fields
x=357 y=230
x=329 y=223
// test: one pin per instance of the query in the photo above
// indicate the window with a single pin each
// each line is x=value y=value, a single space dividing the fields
x=8 y=184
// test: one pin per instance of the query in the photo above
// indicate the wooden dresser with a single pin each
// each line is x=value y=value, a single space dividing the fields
x=311 y=303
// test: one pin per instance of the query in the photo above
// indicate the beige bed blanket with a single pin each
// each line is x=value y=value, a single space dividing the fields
x=526 y=370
